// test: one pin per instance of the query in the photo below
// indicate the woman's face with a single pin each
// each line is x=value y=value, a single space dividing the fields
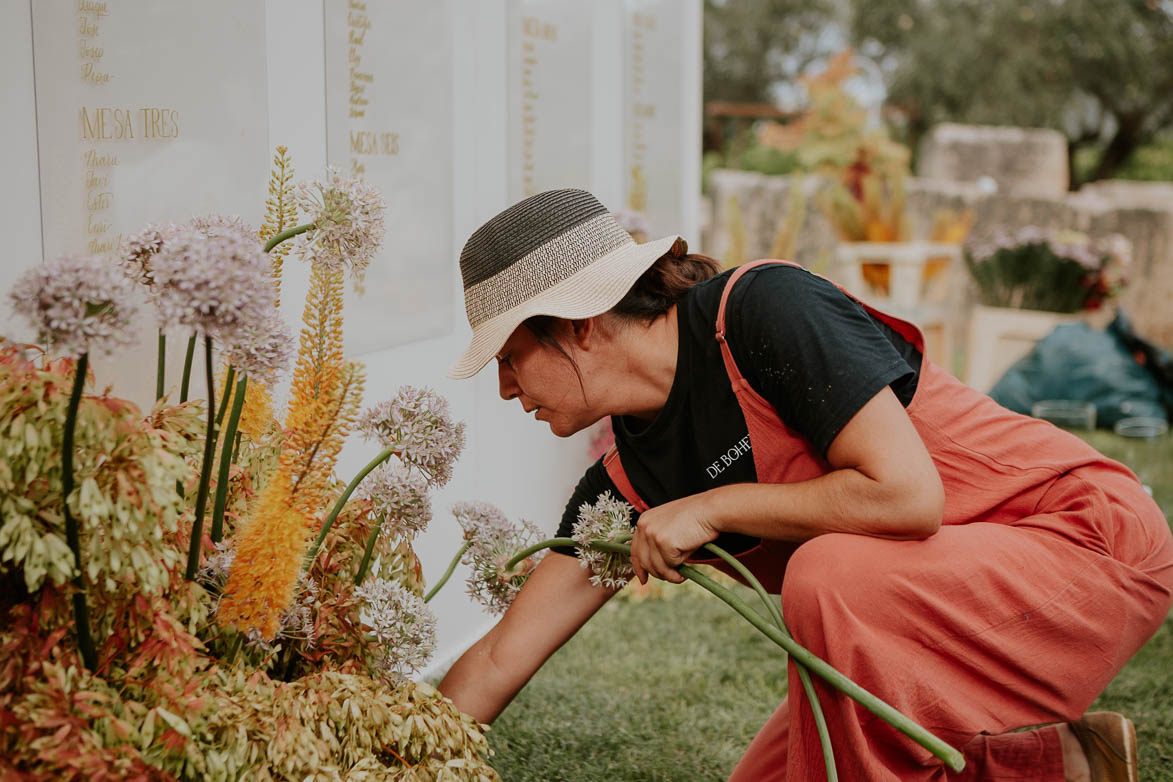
x=545 y=381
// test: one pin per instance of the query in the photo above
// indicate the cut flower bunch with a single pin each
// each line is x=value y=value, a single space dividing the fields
x=190 y=592
x=1053 y=271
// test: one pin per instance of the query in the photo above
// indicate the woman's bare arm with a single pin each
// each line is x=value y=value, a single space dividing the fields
x=553 y=604
x=883 y=484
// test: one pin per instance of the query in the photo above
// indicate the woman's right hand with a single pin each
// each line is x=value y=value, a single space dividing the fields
x=556 y=600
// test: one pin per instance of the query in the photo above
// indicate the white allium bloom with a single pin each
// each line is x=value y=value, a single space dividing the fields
x=298 y=619
x=136 y=253
x=419 y=426
x=76 y=304
x=478 y=517
x=401 y=621
x=400 y=497
x=223 y=225
x=493 y=541
x=219 y=284
x=217 y=567
x=348 y=216
x=606 y=519
x=262 y=350
x=635 y=223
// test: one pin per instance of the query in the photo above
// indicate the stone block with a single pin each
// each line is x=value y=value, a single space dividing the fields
x=1021 y=161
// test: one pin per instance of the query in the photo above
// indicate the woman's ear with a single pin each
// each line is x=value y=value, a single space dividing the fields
x=585 y=332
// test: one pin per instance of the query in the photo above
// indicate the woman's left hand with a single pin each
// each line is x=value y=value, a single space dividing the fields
x=666 y=535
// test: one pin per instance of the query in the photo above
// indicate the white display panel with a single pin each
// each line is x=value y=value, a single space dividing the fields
x=549 y=96
x=146 y=112
x=128 y=130
x=655 y=160
x=389 y=93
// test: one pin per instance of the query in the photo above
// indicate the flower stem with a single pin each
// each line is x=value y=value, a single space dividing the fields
x=808 y=686
x=197 y=524
x=288 y=233
x=229 y=379
x=383 y=456
x=535 y=548
x=162 y=363
x=447 y=573
x=952 y=758
x=368 y=552
x=81 y=613
x=191 y=343
x=226 y=457
x=233 y=648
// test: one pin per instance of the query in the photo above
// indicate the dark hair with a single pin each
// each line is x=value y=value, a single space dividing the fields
x=656 y=291
x=665 y=283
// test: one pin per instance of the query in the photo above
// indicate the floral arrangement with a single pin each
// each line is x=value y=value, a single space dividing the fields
x=166 y=613
x=1054 y=271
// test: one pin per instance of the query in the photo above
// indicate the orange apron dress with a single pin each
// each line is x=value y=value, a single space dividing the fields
x=1051 y=569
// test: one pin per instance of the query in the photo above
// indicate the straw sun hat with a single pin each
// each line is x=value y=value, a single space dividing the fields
x=557 y=253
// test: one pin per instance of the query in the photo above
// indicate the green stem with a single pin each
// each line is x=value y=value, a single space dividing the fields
x=197 y=523
x=226 y=458
x=233 y=648
x=183 y=386
x=952 y=758
x=368 y=552
x=236 y=448
x=447 y=573
x=288 y=233
x=535 y=548
x=160 y=366
x=81 y=613
x=808 y=686
x=383 y=456
x=229 y=379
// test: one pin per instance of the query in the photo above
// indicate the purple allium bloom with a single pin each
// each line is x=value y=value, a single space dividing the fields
x=400 y=497
x=635 y=223
x=136 y=253
x=419 y=426
x=219 y=284
x=493 y=541
x=222 y=225
x=348 y=217
x=401 y=622
x=262 y=350
x=76 y=304
x=606 y=519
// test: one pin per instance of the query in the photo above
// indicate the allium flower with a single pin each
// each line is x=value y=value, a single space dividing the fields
x=493 y=541
x=606 y=519
x=418 y=425
x=76 y=304
x=348 y=222
x=262 y=350
x=402 y=622
x=635 y=223
x=298 y=619
x=222 y=225
x=218 y=284
x=136 y=253
x=398 y=495
x=480 y=517
x=218 y=566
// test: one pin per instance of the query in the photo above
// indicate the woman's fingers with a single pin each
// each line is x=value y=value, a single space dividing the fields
x=649 y=558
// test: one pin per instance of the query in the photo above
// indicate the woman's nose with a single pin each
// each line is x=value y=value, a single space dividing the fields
x=507 y=381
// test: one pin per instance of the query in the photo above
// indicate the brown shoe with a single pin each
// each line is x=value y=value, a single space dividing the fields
x=1109 y=741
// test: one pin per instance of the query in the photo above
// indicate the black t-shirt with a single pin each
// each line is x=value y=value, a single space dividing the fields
x=810 y=351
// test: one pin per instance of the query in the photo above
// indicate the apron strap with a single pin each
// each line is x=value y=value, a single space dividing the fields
x=615 y=471
x=727 y=355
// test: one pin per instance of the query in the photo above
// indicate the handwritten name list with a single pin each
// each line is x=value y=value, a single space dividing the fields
x=99 y=124
x=549 y=96
x=363 y=141
x=389 y=121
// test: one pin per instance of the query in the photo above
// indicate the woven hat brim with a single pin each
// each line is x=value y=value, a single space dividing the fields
x=591 y=291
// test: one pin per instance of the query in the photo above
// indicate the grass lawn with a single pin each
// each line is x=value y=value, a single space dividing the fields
x=674 y=688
